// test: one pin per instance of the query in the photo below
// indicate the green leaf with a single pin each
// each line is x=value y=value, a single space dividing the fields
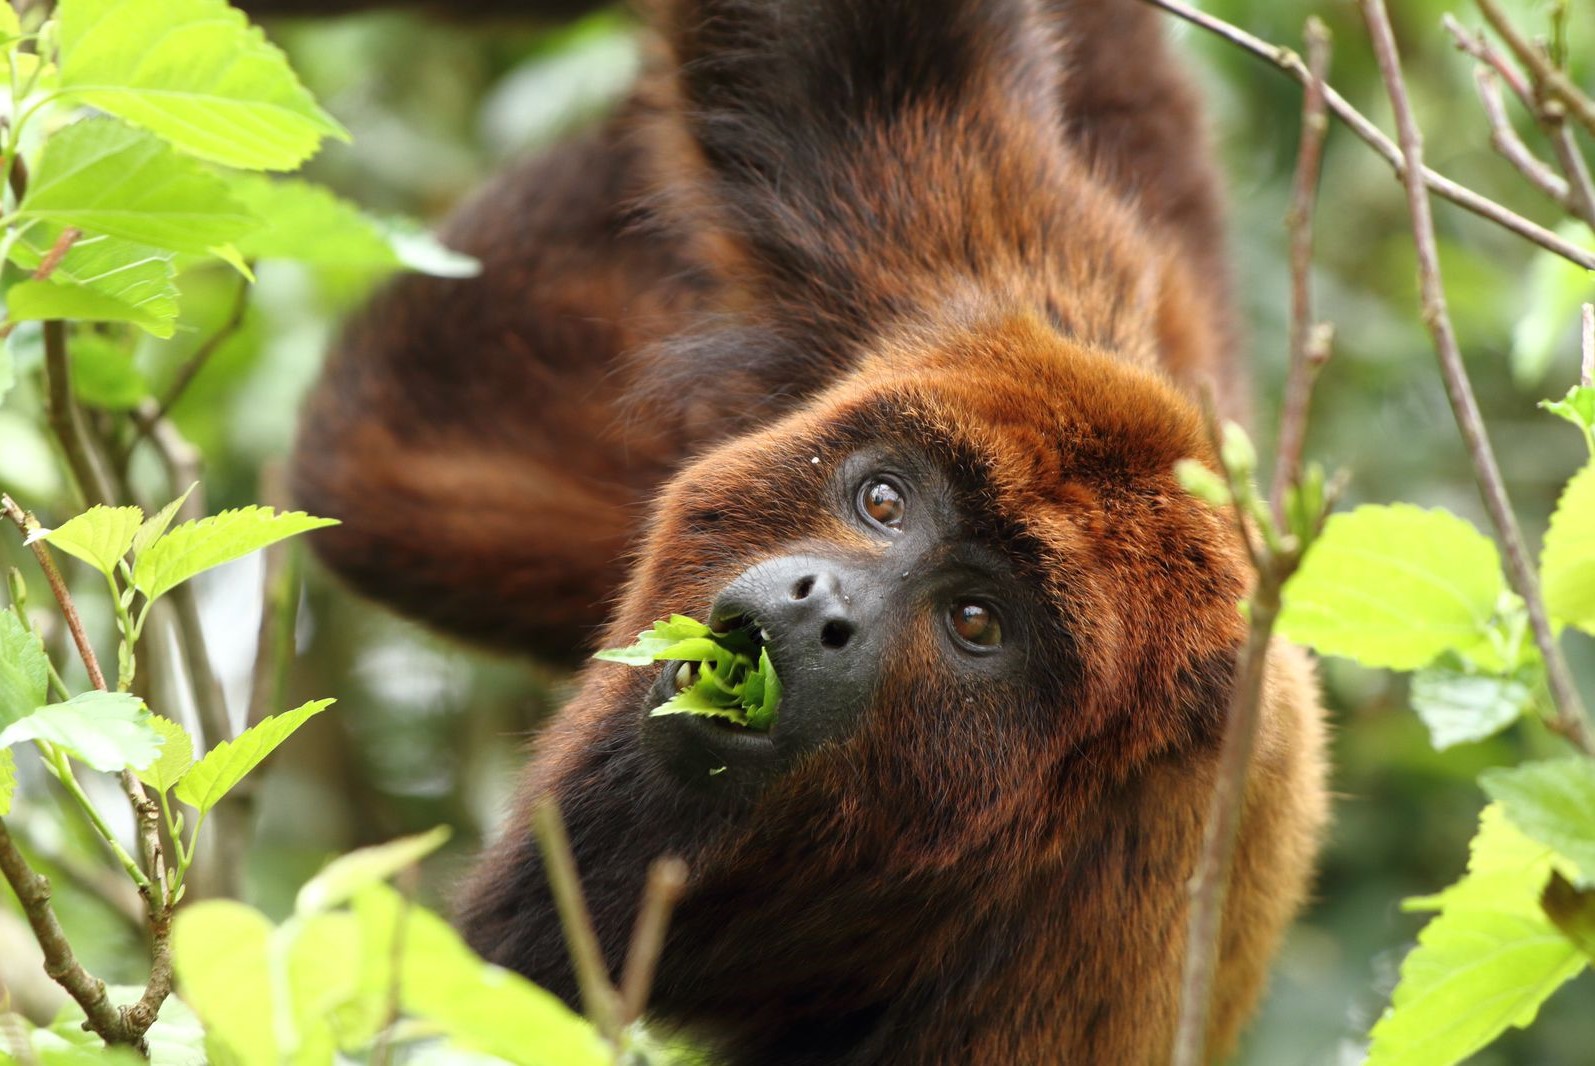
x=1577 y=407
x=8 y=780
x=1572 y=910
x=195 y=547
x=1568 y=562
x=10 y=25
x=348 y=874
x=308 y=223
x=100 y=536
x=8 y=371
x=229 y=762
x=1486 y=962
x=195 y=73
x=1394 y=586
x=177 y=755
x=108 y=731
x=24 y=670
x=152 y=530
x=478 y=1006
x=1459 y=706
x=100 y=279
x=1553 y=802
x=221 y=951
x=422 y=252
x=323 y=970
x=104 y=177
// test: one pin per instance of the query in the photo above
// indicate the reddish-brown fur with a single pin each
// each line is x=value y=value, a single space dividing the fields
x=984 y=232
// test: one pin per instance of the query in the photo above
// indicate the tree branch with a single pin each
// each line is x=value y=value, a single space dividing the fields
x=1504 y=139
x=1569 y=719
x=1289 y=62
x=33 y=892
x=1551 y=81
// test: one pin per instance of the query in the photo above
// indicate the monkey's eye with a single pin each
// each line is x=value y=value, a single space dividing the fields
x=882 y=502
x=975 y=625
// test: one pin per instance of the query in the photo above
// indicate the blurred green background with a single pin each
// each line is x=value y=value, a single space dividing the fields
x=428 y=732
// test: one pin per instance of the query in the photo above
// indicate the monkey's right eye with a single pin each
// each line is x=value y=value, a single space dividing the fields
x=881 y=500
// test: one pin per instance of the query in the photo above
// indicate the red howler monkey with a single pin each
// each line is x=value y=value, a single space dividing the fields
x=874 y=323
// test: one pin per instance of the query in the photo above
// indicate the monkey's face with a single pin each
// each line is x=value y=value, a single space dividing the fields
x=961 y=585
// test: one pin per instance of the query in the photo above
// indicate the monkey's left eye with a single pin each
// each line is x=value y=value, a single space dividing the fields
x=882 y=502
x=975 y=625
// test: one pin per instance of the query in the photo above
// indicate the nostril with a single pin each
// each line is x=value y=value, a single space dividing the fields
x=835 y=635
x=802 y=588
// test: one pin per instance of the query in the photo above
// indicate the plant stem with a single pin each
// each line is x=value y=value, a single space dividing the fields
x=61 y=768
x=667 y=879
x=599 y=1001
x=1551 y=81
x=1569 y=719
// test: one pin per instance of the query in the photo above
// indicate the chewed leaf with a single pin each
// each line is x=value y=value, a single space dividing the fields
x=726 y=682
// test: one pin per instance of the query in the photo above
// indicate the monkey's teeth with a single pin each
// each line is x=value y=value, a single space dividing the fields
x=764 y=636
x=684 y=677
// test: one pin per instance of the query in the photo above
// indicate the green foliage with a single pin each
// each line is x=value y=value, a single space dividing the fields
x=1577 y=407
x=8 y=780
x=100 y=278
x=194 y=547
x=1460 y=705
x=1554 y=292
x=1395 y=586
x=107 y=731
x=727 y=683
x=107 y=178
x=208 y=780
x=345 y=876
x=177 y=755
x=342 y=986
x=24 y=670
x=1485 y=963
x=1569 y=558
x=195 y=73
x=1573 y=910
x=1553 y=803
x=100 y=536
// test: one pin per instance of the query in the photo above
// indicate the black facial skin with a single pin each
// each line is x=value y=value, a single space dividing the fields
x=830 y=618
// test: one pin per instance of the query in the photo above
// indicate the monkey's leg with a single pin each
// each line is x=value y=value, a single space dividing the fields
x=471 y=434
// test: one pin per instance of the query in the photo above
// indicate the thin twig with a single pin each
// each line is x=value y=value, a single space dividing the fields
x=1569 y=719
x=1291 y=63
x=33 y=892
x=1552 y=82
x=599 y=1001
x=667 y=879
x=52 y=574
x=1553 y=120
x=1586 y=375
x=1309 y=347
x=202 y=355
x=1504 y=139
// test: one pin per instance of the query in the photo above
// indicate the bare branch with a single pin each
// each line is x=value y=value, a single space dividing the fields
x=66 y=420
x=1551 y=81
x=667 y=879
x=1506 y=141
x=1309 y=347
x=1569 y=719
x=202 y=355
x=1289 y=62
